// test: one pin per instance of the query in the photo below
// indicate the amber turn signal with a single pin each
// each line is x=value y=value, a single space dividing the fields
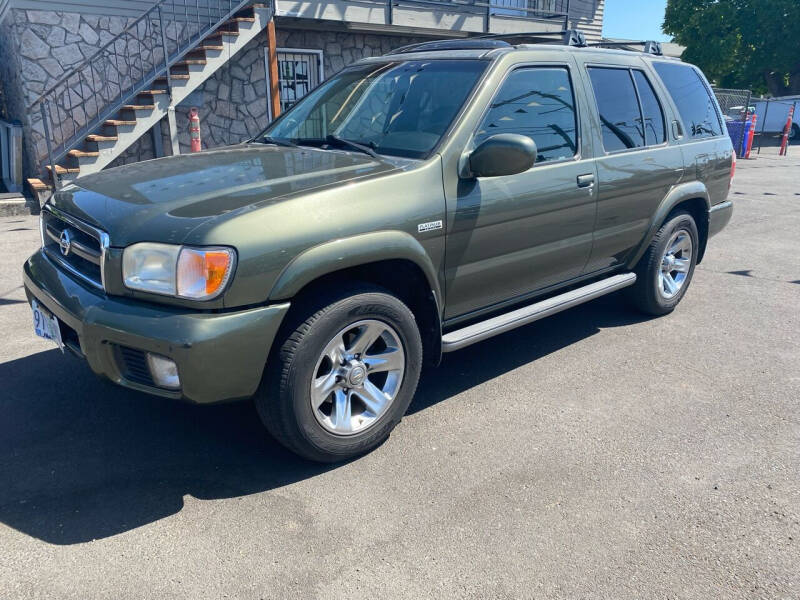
x=203 y=273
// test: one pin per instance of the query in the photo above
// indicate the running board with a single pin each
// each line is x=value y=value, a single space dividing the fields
x=455 y=340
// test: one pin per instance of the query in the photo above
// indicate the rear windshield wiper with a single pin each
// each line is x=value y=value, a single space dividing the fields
x=265 y=139
x=351 y=144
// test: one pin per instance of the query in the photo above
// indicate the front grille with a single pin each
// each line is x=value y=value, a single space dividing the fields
x=76 y=246
x=132 y=364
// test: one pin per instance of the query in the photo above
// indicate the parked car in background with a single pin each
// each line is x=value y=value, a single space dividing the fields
x=414 y=204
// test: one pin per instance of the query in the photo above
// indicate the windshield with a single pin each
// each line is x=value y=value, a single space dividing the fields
x=398 y=108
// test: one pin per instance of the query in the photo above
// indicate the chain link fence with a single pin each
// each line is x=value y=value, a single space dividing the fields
x=736 y=110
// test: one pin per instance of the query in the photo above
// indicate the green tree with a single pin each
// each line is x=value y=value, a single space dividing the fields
x=752 y=44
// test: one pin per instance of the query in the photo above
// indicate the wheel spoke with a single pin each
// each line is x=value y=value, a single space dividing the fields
x=323 y=386
x=676 y=246
x=669 y=284
x=342 y=411
x=373 y=397
x=367 y=335
x=681 y=265
x=390 y=360
x=335 y=351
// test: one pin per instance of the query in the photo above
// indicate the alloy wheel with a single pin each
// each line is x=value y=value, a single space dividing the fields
x=357 y=377
x=675 y=264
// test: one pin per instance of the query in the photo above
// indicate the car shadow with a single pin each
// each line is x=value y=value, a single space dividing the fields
x=82 y=459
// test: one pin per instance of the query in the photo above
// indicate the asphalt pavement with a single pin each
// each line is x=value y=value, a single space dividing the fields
x=595 y=454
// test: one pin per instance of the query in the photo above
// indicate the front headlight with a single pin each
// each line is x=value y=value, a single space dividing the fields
x=180 y=271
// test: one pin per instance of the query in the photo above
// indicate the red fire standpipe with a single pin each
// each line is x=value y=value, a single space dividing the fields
x=194 y=129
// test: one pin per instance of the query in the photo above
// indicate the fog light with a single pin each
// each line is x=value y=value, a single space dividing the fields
x=164 y=371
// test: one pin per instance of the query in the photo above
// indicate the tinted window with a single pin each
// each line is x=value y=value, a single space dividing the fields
x=538 y=103
x=698 y=113
x=653 y=115
x=618 y=107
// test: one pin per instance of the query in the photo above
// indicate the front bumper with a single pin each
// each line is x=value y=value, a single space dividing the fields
x=220 y=355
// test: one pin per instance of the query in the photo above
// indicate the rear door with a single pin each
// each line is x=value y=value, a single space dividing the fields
x=509 y=236
x=636 y=164
x=706 y=146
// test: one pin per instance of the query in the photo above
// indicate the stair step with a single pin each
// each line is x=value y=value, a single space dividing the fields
x=212 y=47
x=64 y=170
x=82 y=154
x=190 y=61
x=138 y=107
x=118 y=122
x=37 y=185
x=455 y=340
x=153 y=92
x=102 y=138
x=217 y=35
x=174 y=76
x=241 y=20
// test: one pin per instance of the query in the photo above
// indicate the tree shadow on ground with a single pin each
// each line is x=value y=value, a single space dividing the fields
x=82 y=459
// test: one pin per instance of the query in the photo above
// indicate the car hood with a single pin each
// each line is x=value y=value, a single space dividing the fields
x=165 y=199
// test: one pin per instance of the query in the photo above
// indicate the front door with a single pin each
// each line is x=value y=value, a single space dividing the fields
x=509 y=236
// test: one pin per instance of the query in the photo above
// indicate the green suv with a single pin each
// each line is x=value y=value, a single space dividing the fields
x=413 y=204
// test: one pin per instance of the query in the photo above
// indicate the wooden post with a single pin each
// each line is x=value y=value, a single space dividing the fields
x=272 y=68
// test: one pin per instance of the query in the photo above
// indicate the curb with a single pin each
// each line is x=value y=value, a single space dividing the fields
x=13 y=205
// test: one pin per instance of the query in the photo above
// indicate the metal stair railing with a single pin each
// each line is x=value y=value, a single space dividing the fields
x=95 y=89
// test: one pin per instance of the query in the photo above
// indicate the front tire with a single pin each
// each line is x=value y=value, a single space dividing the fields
x=343 y=378
x=665 y=271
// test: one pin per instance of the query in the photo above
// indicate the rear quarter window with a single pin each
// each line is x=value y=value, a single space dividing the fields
x=692 y=97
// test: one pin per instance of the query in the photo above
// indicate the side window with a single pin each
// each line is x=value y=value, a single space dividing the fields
x=654 y=132
x=539 y=103
x=618 y=107
x=692 y=97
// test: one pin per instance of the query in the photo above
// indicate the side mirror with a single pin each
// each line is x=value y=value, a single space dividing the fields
x=503 y=154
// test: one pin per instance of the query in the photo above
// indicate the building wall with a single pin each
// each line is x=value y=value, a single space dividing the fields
x=587 y=15
x=41 y=45
x=233 y=101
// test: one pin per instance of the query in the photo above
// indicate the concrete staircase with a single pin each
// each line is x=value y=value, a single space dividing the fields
x=146 y=108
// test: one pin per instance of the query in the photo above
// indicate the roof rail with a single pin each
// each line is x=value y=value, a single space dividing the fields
x=490 y=41
x=566 y=37
x=648 y=46
x=461 y=44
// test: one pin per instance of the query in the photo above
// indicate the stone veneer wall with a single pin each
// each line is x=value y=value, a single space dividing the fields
x=42 y=45
x=234 y=104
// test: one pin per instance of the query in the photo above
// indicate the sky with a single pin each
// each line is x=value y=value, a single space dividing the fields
x=635 y=19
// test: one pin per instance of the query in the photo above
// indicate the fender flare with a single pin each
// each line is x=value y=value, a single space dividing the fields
x=690 y=190
x=344 y=253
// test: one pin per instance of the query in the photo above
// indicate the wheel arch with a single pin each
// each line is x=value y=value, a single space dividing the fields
x=394 y=261
x=692 y=197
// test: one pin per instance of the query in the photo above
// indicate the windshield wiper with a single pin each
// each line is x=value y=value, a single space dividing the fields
x=265 y=139
x=351 y=144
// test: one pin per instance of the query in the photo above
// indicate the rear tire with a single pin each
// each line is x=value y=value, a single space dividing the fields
x=665 y=271
x=332 y=392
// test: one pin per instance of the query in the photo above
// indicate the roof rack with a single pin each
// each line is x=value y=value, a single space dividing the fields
x=462 y=44
x=565 y=37
x=648 y=46
x=490 y=41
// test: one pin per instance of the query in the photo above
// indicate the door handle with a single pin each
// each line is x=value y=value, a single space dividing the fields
x=586 y=180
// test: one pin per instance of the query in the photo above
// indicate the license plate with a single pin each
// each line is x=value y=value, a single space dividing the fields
x=46 y=325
